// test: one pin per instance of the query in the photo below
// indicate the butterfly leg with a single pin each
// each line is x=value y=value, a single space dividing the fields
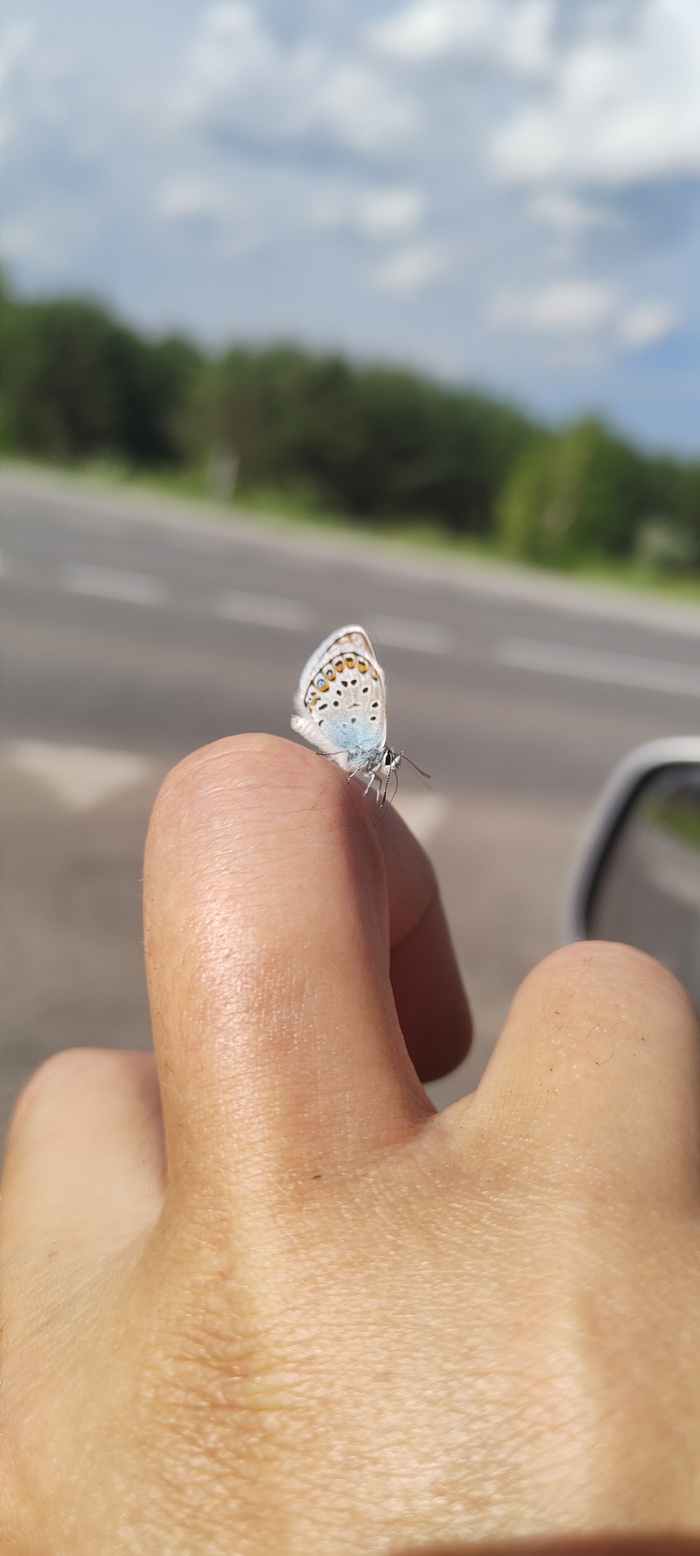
x=353 y=771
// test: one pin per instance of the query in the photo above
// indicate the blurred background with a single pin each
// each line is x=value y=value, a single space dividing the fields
x=419 y=280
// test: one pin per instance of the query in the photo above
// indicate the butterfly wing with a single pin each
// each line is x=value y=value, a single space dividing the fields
x=340 y=702
x=308 y=728
x=353 y=637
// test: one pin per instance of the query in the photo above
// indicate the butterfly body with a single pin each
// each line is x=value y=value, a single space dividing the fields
x=340 y=706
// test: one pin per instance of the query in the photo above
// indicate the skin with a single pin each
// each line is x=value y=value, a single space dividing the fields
x=259 y=1299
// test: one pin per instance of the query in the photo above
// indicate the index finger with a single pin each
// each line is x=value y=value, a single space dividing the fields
x=273 y=893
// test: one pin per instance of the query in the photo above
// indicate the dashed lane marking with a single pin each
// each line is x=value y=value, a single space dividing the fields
x=422 y=637
x=79 y=777
x=264 y=610
x=113 y=583
x=261 y=610
x=590 y=664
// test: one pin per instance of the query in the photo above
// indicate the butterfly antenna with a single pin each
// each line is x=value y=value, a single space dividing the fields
x=414 y=765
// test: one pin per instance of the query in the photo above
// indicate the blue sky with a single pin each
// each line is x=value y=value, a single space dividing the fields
x=504 y=192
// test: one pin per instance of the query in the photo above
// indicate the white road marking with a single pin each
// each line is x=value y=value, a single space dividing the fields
x=591 y=664
x=264 y=610
x=113 y=583
x=425 y=637
x=423 y=813
x=79 y=777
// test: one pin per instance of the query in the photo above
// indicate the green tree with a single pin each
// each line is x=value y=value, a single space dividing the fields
x=73 y=382
x=573 y=497
x=373 y=442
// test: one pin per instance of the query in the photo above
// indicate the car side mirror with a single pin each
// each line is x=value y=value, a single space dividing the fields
x=636 y=877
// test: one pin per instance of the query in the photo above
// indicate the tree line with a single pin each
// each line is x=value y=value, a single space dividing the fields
x=378 y=444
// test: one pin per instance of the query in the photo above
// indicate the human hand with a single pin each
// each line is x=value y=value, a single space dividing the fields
x=337 y=1322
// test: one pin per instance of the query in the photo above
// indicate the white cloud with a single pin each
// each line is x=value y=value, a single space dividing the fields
x=241 y=80
x=568 y=215
x=623 y=106
x=411 y=269
x=561 y=308
x=16 y=52
x=647 y=324
x=514 y=36
x=44 y=237
x=584 y=313
x=24 y=238
x=379 y=214
x=194 y=201
x=32 y=86
x=184 y=200
x=45 y=155
x=206 y=206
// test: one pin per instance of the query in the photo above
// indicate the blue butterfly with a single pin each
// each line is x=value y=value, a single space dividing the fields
x=340 y=707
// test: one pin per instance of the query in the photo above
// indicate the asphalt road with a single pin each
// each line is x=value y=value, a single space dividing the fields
x=134 y=630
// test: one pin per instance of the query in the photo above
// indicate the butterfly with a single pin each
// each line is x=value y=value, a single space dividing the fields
x=340 y=707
